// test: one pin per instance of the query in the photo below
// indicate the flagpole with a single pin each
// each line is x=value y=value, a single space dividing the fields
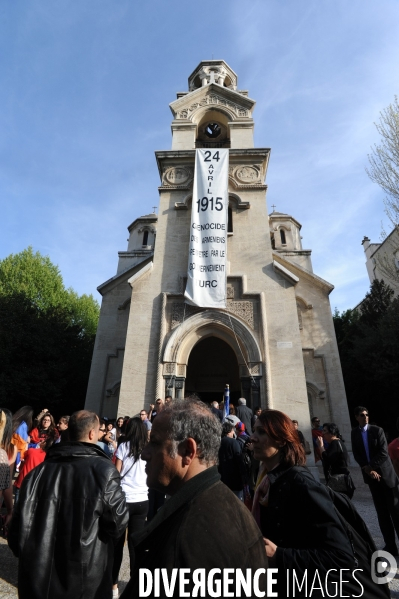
x=226 y=401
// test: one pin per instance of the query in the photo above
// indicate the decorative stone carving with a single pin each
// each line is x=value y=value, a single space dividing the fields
x=180 y=311
x=213 y=99
x=251 y=370
x=181 y=370
x=169 y=368
x=149 y=228
x=245 y=175
x=177 y=176
x=244 y=310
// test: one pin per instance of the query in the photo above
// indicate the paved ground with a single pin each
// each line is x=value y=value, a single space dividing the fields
x=362 y=500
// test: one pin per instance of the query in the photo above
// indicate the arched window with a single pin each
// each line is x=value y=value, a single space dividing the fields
x=229 y=220
x=145 y=238
x=282 y=236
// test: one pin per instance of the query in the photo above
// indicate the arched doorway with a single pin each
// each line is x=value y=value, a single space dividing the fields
x=237 y=340
x=212 y=363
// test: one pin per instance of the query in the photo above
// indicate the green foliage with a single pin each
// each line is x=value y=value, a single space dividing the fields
x=368 y=343
x=47 y=336
x=33 y=276
x=376 y=303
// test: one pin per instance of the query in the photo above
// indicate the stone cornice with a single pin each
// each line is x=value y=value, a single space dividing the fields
x=187 y=158
x=212 y=95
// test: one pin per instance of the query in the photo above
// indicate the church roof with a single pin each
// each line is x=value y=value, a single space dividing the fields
x=124 y=275
x=282 y=214
x=299 y=271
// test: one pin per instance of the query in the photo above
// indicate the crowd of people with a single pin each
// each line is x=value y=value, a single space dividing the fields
x=184 y=484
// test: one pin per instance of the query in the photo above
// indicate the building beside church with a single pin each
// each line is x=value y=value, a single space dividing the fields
x=382 y=259
x=275 y=342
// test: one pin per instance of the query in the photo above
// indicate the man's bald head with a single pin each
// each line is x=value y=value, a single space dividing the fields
x=84 y=426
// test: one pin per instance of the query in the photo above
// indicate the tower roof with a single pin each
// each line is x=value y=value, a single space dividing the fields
x=212 y=71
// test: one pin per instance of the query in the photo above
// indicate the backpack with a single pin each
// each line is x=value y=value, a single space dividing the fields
x=361 y=541
x=246 y=456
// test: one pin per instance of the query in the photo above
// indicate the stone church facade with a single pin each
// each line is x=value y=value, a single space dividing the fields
x=275 y=342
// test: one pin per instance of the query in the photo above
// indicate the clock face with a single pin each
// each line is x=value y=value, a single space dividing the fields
x=212 y=130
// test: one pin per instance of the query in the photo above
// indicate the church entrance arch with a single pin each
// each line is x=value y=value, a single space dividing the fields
x=222 y=329
x=212 y=363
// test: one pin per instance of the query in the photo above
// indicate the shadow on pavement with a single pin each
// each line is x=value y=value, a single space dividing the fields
x=8 y=564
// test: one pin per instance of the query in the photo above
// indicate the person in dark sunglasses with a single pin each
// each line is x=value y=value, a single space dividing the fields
x=370 y=450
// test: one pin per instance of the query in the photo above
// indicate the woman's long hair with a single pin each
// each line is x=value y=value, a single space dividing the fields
x=50 y=430
x=24 y=414
x=136 y=435
x=333 y=429
x=6 y=432
x=280 y=428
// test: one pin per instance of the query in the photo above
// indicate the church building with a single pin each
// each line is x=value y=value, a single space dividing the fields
x=274 y=344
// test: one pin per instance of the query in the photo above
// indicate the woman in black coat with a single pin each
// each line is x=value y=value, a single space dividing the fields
x=302 y=530
x=335 y=457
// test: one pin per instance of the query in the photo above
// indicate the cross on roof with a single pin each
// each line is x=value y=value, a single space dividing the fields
x=154 y=208
x=273 y=206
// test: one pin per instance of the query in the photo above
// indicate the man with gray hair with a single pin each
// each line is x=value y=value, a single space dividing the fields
x=203 y=525
x=245 y=415
x=70 y=509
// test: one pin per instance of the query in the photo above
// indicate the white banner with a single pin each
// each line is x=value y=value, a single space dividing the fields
x=206 y=281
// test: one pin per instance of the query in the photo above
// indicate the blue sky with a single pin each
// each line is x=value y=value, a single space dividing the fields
x=84 y=94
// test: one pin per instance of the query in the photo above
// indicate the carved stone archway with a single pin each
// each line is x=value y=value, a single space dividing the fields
x=225 y=326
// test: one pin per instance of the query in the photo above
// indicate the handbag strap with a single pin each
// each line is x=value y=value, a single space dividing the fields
x=127 y=471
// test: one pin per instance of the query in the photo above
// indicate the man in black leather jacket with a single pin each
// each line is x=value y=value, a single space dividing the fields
x=70 y=509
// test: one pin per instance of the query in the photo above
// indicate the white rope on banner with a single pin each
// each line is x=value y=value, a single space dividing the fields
x=243 y=357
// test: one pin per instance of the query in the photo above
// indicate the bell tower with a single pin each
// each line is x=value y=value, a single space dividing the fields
x=275 y=342
x=213 y=113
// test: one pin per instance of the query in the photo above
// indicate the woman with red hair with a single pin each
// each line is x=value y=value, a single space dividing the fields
x=296 y=514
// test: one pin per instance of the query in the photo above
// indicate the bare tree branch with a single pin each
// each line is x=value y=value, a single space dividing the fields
x=384 y=159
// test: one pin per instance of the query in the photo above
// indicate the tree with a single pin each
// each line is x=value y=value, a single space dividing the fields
x=376 y=303
x=33 y=276
x=47 y=336
x=384 y=170
x=384 y=159
x=368 y=343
